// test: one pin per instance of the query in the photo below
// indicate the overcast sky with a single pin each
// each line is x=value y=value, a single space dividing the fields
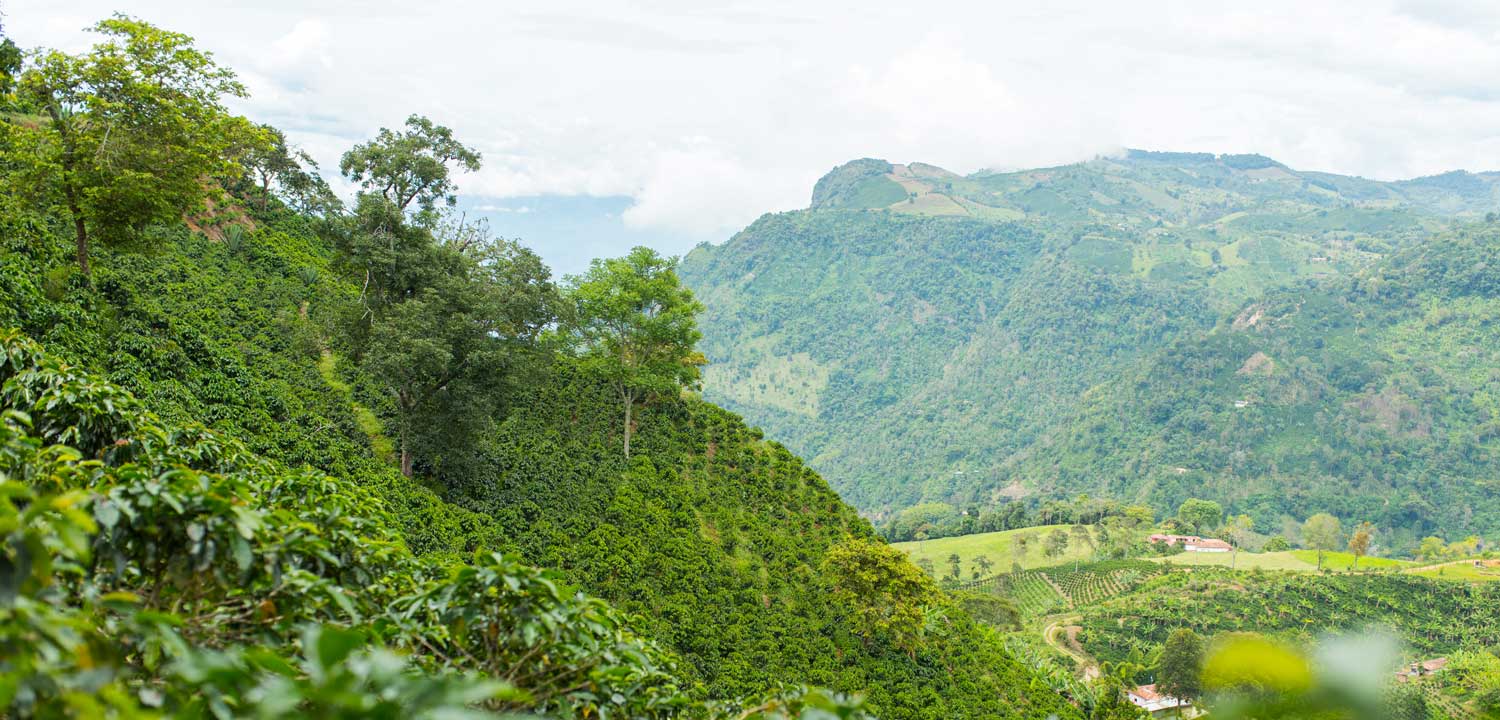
x=695 y=116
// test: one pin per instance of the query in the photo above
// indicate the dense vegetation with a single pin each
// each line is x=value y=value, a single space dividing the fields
x=1289 y=342
x=1371 y=397
x=393 y=399
x=1432 y=616
x=906 y=355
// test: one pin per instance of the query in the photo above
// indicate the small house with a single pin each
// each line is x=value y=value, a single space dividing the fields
x=1157 y=704
x=1173 y=539
x=1421 y=669
x=1207 y=546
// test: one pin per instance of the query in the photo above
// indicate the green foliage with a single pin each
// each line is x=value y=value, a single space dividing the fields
x=1432 y=617
x=1204 y=516
x=636 y=326
x=1321 y=532
x=1300 y=401
x=410 y=165
x=443 y=354
x=275 y=169
x=885 y=594
x=1181 y=665
x=1159 y=326
x=712 y=536
x=843 y=186
x=133 y=128
x=172 y=565
x=1048 y=590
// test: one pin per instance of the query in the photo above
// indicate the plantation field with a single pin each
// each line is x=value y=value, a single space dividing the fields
x=1063 y=587
x=999 y=547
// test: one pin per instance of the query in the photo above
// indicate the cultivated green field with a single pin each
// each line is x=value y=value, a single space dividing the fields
x=1460 y=570
x=1297 y=560
x=999 y=547
x=1345 y=561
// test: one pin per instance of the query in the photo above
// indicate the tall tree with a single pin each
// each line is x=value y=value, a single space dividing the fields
x=11 y=58
x=1181 y=666
x=1055 y=544
x=274 y=166
x=885 y=594
x=1240 y=529
x=982 y=566
x=1322 y=532
x=134 y=128
x=1203 y=515
x=637 y=327
x=1432 y=548
x=1359 y=541
x=411 y=165
x=444 y=353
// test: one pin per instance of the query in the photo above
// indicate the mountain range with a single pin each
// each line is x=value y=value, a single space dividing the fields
x=925 y=336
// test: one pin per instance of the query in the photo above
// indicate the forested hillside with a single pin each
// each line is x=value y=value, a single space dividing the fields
x=1371 y=397
x=923 y=345
x=262 y=451
x=908 y=355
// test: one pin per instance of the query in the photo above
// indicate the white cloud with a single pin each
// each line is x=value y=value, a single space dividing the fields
x=711 y=112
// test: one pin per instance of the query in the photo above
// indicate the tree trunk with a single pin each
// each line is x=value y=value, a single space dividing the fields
x=70 y=194
x=629 y=402
x=79 y=230
x=405 y=452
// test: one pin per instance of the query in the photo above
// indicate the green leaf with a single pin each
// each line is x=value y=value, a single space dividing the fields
x=332 y=645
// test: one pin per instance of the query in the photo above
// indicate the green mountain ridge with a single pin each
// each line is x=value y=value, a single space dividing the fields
x=928 y=347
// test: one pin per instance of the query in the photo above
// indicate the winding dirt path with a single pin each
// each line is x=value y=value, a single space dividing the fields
x=1068 y=643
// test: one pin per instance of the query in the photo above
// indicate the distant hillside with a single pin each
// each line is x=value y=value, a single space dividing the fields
x=914 y=345
x=1375 y=396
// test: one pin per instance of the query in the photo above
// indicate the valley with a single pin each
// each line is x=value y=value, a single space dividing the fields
x=1148 y=434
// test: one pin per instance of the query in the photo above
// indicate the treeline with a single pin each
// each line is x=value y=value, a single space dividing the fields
x=929 y=521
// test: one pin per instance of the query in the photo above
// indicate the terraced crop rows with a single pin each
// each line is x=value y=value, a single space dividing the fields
x=1039 y=592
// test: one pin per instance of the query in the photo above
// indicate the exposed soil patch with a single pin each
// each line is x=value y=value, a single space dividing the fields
x=1257 y=364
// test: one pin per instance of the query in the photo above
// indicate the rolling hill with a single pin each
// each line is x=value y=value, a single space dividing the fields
x=935 y=344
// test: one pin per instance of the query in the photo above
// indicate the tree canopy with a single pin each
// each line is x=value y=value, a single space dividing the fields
x=133 y=130
x=410 y=165
x=636 y=325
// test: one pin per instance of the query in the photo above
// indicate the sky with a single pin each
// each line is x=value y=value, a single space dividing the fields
x=672 y=122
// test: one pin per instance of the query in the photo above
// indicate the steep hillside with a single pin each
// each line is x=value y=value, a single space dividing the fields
x=1373 y=397
x=713 y=535
x=910 y=346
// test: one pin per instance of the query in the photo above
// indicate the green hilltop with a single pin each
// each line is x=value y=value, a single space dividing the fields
x=963 y=342
x=262 y=454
